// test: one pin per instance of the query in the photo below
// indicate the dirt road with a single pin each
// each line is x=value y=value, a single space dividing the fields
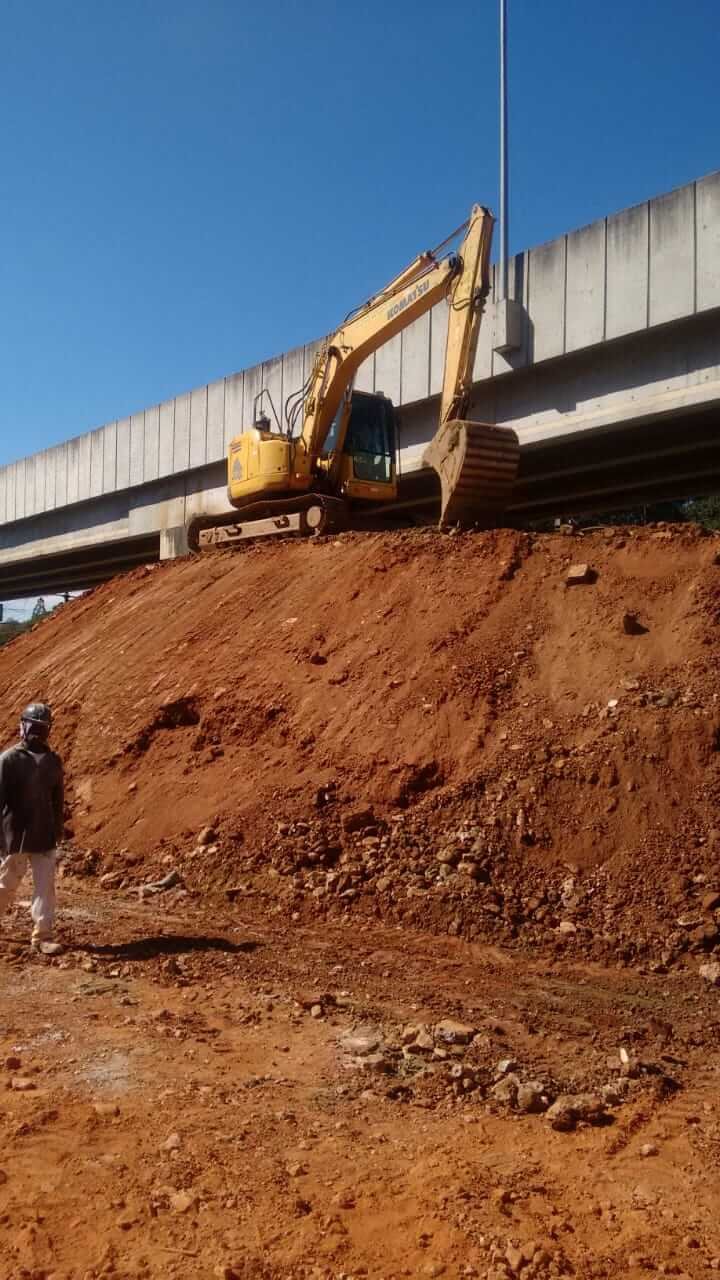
x=192 y=1093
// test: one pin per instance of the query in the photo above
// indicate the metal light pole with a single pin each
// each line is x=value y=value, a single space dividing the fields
x=510 y=325
x=503 y=289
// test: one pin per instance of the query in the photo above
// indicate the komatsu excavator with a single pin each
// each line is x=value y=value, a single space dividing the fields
x=344 y=457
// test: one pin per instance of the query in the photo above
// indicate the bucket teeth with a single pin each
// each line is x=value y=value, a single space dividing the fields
x=477 y=465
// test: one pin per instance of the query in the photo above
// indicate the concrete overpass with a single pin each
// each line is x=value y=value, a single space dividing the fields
x=613 y=387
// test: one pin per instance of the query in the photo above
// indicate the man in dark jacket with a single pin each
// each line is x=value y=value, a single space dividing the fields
x=31 y=813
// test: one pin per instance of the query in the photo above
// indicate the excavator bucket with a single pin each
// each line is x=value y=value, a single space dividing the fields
x=477 y=465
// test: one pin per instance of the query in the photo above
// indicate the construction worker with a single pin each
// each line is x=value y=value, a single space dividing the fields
x=31 y=814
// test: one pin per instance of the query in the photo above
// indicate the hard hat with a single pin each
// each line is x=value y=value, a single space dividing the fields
x=37 y=713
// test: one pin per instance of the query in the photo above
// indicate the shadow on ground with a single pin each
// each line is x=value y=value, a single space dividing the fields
x=169 y=944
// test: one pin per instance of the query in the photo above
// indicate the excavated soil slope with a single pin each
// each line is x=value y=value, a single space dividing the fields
x=434 y=729
x=429 y=989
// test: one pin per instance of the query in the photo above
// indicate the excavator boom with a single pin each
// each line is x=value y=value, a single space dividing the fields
x=410 y=295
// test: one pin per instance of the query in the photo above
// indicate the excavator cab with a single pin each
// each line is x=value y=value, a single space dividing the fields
x=360 y=450
x=367 y=466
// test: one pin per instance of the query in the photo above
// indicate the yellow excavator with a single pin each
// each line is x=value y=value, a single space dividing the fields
x=343 y=458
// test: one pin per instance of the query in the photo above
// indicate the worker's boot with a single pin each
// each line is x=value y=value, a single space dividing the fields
x=47 y=946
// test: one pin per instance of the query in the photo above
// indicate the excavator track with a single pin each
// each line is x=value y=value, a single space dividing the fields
x=477 y=464
x=311 y=513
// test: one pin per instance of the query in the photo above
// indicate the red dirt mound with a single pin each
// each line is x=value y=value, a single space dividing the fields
x=427 y=727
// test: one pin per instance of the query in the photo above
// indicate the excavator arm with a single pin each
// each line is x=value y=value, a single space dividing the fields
x=476 y=462
x=466 y=302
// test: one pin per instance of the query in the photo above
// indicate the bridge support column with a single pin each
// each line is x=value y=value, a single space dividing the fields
x=174 y=542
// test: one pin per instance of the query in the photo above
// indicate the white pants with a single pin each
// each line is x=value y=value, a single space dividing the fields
x=12 y=870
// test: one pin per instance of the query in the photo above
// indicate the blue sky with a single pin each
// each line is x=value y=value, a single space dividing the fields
x=187 y=188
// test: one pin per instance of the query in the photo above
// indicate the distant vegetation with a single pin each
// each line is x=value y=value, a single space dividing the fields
x=10 y=629
x=703 y=511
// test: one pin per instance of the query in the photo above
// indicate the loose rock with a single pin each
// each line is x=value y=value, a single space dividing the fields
x=182 y=1201
x=568 y=1109
x=452 y=1032
x=506 y=1090
x=531 y=1097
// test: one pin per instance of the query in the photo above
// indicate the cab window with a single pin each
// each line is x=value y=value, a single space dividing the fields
x=370 y=439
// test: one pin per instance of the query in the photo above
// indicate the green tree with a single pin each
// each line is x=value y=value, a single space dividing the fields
x=705 y=511
x=9 y=630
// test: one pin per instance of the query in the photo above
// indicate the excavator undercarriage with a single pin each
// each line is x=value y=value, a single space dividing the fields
x=311 y=513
